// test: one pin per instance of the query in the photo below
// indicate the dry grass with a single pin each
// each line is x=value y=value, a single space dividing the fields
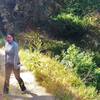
x=1 y=82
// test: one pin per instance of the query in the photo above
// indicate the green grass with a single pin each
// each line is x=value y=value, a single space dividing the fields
x=2 y=42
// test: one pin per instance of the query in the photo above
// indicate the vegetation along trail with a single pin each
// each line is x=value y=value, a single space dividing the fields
x=34 y=90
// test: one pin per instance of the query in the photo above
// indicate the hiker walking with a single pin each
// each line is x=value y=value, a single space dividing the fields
x=12 y=63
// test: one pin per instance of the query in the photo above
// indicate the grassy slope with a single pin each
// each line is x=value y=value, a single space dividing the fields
x=58 y=80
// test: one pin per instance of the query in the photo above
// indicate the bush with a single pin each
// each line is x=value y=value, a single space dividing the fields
x=80 y=7
x=30 y=40
x=98 y=79
x=54 y=46
x=97 y=58
x=82 y=63
x=2 y=42
x=33 y=41
x=78 y=20
x=70 y=26
x=85 y=21
x=60 y=81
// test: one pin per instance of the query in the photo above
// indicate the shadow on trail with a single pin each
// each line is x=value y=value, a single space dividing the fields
x=13 y=97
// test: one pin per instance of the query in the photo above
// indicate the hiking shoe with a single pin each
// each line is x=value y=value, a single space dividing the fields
x=5 y=92
x=24 y=92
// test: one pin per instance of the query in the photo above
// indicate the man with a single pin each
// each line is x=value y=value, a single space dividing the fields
x=12 y=63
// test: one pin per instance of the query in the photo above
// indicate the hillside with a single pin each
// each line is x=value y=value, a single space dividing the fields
x=75 y=20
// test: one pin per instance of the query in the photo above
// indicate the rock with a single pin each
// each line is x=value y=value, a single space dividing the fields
x=25 y=13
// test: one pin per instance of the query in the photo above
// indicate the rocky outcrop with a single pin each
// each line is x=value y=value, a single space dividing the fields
x=18 y=15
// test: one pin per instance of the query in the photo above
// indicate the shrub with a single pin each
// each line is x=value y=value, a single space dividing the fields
x=82 y=63
x=79 y=7
x=33 y=41
x=60 y=81
x=98 y=79
x=54 y=46
x=97 y=58
x=70 y=26
x=85 y=21
x=2 y=42
x=30 y=40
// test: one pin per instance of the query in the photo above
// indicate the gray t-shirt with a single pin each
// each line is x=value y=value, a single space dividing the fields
x=11 y=53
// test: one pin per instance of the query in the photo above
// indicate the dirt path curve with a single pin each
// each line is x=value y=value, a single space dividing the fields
x=34 y=89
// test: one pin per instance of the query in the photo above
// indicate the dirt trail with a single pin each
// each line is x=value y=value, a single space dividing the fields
x=35 y=91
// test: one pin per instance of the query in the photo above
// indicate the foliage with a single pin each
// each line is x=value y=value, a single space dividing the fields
x=72 y=26
x=30 y=40
x=98 y=79
x=82 y=63
x=53 y=46
x=60 y=81
x=2 y=42
x=79 y=7
x=85 y=21
x=34 y=40
x=78 y=21
x=97 y=58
